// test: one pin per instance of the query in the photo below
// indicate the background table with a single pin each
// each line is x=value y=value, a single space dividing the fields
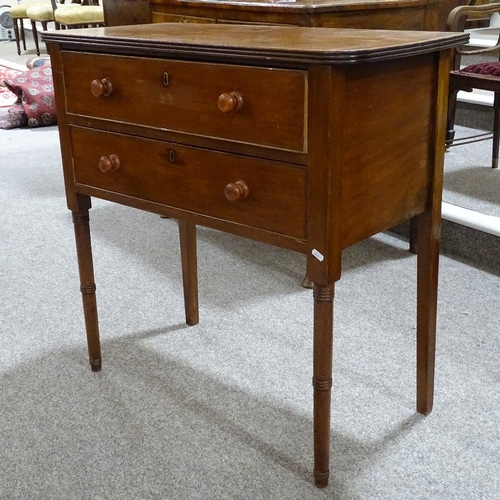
x=379 y=14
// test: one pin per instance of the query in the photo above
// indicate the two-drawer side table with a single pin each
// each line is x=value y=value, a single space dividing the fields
x=311 y=139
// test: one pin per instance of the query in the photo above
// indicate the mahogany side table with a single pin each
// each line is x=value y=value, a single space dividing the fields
x=311 y=139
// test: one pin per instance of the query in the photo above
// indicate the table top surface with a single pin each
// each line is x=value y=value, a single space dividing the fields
x=279 y=43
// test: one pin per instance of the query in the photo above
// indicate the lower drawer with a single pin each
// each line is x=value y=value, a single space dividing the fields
x=254 y=192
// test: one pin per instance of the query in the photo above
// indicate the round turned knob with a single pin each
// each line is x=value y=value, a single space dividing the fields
x=109 y=163
x=235 y=191
x=230 y=102
x=102 y=87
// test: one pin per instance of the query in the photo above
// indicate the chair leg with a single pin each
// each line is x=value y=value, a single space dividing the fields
x=35 y=37
x=18 y=38
x=450 y=124
x=496 y=130
x=23 y=36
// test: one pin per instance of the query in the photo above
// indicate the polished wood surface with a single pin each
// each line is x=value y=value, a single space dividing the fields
x=286 y=45
x=381 y=14
x=364 y=152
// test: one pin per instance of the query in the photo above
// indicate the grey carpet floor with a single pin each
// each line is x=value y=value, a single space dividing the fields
x=469 y=180
x=223 y=410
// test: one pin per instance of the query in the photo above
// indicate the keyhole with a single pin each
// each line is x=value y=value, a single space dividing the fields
x=171 y=156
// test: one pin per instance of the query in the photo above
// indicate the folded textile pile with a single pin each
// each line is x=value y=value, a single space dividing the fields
x=35 y=103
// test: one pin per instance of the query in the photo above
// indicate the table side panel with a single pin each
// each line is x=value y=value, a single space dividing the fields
x=194 y=179
x=390 y=111
x=273 y=112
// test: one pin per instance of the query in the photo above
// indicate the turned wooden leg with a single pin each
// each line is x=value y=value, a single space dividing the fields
x=322 y=380
x=428 y=229
x=187 y=233
x=87 y=286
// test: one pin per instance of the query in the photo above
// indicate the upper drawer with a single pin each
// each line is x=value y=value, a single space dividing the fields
x=262 y=106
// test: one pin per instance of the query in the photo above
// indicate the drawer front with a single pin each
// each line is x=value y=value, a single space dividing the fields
x=261 y=106
x=265 y=194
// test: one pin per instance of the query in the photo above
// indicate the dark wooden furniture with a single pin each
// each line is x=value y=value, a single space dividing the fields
x=380 y=14
x=283 y=135
x=370 y=14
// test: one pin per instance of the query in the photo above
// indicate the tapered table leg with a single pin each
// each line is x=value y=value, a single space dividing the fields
x=428 y=229
x=187 y=234
x=87 y=286
x=322 y=380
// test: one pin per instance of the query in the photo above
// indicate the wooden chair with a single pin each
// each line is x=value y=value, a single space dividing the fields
x=40 y=13
x=88 y=14
x=483 y=75
x=68 y=14
x=19 y=14
x=43 y=13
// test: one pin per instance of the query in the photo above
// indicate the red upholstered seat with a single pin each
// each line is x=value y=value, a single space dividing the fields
x=484 y=69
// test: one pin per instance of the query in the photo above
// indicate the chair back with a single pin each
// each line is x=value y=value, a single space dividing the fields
x=456 y=22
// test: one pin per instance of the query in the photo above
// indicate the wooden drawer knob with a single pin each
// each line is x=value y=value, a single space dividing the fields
x=102 y=87
x=236 y=191
x=109 y=163
x=230 y=102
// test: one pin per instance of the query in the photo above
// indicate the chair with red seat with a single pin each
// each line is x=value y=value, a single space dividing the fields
x=482 y=75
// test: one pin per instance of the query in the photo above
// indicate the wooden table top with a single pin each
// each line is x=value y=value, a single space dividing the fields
x=283 y=43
